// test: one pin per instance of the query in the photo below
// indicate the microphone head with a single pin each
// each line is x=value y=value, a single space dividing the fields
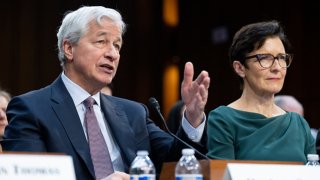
x=154 y=103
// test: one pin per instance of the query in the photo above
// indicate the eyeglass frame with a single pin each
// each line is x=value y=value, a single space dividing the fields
x=257 y=56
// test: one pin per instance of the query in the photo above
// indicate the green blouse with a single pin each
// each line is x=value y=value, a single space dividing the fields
x=235 y=134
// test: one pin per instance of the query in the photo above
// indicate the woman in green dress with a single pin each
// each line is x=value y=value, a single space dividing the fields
x=253 y=127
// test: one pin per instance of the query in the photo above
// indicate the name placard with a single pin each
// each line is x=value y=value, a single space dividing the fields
x=237 y=171
x=36 y=167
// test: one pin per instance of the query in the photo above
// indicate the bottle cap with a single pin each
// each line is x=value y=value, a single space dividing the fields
x=313 y=157
x=142 y=153
x=188 y=151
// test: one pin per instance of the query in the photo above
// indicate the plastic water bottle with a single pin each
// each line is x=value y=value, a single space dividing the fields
x=188 y=167
x=313 y=160
x=142 y=167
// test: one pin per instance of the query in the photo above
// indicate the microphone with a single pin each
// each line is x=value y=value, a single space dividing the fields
x=155 y=105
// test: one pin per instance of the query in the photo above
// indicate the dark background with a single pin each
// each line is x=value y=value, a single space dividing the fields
x=29 y=56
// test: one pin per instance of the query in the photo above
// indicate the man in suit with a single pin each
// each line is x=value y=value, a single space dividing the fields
x=52 y=119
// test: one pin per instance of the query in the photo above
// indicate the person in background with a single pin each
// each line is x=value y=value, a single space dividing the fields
x=175 y=116
x=318 y=142
x=291 y=104
x=67 y=115
x=253 y=127
x=107 y=89
x=4 y=100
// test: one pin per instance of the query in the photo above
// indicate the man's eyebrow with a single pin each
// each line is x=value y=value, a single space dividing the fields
x=101 y=33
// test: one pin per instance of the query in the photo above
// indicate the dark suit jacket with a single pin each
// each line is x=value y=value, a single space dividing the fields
x=46 y=120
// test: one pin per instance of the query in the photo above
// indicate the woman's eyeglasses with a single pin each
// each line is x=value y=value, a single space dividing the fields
x=267 y=60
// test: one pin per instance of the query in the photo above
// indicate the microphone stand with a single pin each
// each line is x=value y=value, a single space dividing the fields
x=155 y=105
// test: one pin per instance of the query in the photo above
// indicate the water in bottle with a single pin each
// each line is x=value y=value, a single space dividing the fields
x=188 y=167
x=313 y=160
x=142 y=167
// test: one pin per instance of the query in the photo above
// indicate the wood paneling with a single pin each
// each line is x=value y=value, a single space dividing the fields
x=29 y=59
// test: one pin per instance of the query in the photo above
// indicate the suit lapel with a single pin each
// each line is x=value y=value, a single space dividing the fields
x=121 y=130
x=63 y=105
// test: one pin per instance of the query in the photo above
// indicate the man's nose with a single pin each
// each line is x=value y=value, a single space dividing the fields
x=112 y=53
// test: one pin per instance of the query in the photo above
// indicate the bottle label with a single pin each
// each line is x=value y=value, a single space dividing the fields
x=143 y=177
x=188 y=177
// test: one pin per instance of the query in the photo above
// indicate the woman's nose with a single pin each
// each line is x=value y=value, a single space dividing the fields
x=276 y=64
x=2 y=114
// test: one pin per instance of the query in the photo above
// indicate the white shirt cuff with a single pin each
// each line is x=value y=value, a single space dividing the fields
x=194 y=134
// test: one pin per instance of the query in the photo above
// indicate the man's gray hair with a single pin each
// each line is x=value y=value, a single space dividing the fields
x=75 y=24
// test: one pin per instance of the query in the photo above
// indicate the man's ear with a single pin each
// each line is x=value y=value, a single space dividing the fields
x=239 y=68
x=68 y=50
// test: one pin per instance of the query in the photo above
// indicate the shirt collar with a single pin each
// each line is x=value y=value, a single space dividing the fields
x=78 y=94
